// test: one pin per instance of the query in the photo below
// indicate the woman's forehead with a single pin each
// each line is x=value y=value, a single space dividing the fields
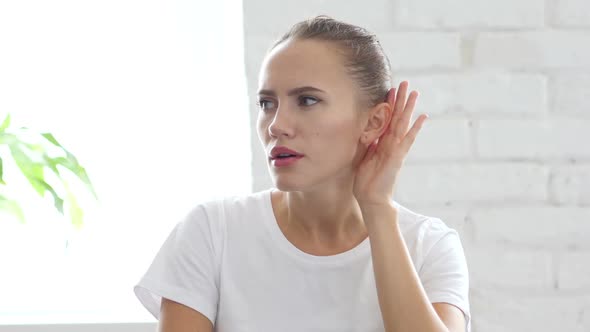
x=300 y=63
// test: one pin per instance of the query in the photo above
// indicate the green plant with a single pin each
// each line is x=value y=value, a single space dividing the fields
x=34 y=159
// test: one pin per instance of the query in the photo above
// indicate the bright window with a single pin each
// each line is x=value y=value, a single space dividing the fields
x=151 y=98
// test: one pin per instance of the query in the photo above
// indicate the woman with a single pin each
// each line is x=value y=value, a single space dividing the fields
x=328 y=249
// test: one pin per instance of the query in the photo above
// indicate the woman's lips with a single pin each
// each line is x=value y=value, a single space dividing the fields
x=288 y=161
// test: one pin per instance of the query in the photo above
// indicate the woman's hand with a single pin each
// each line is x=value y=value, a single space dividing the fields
x=377 y=172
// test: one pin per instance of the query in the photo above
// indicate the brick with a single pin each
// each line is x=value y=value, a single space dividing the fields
x=586 y=318
x=515 y=312
x=534 y=227
x=570 y=94
x=469 y=182
x=441 y=139
x=508 y=269
x=570 y=13
x=570 y=185
x=479 y=92
x=547 y=138
x=573 y=272
x=276 y=17
x=533 y=50
x=465 y=13
x=437 y=50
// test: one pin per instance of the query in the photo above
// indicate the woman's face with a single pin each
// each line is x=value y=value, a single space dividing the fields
x=308 y=103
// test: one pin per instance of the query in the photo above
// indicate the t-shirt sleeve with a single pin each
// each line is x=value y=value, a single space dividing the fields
x=444 y=272
x=184 y=270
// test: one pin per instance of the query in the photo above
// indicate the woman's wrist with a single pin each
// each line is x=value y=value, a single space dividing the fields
x=378 y=212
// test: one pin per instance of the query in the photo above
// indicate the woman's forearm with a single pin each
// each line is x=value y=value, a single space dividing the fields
x=402 y=299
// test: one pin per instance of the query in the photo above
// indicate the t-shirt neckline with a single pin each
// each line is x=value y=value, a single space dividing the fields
x=291 y=249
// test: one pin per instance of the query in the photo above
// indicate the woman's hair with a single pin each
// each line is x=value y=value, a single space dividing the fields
x=363 y=55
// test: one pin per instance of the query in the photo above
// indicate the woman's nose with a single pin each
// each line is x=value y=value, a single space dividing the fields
x=281 y=124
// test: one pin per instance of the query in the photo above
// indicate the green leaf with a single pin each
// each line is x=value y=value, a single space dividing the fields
x=76 y=213
x=52 y=139
x=37 y=149
x=83 y=176
x=31 y=170
x=12 y=207
x=1 y=173
x=70 y=162
x=57 y=201
x=32 y=159
x=7 y=138
x=51 y=164
x=46 y=160
x=5 y=123
x=34 y=173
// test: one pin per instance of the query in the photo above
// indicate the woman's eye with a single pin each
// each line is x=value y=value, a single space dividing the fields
x=308 y=101
x=264 y=104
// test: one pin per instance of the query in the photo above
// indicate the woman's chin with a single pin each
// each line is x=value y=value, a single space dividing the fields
x=283 y=185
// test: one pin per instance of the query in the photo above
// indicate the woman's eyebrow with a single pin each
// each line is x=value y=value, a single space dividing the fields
x=292 y=92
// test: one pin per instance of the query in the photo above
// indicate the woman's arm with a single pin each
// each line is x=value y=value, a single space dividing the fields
x=176 y=317
x=404 y=304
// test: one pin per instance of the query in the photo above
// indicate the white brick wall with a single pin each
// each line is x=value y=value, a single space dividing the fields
x=445 y=139
x=570 y=184
x=571 y=267
x=548 y=138
x=505 y=157
x=570 y=13
x=472 y=182
x=478 y=91
x=570 y=93
x=517 y=311
x=427 y=14
x=531 y=226
x=439 y=49
x=510 y=269
x=539 y=49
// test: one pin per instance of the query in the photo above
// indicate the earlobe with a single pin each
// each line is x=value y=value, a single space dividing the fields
x=366 y=139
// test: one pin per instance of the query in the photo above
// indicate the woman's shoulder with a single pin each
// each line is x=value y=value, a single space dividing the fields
x=425 y=230
x=230 y=201
x=217 y=208
x=408 y=218
x=215 y=216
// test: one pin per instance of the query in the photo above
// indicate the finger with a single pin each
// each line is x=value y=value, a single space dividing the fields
x=403 y=123
x=370 y=151
x=390 y=99
x=400 y=100
x=413 y=133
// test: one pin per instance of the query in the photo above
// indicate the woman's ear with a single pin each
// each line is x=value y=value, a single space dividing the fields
x=378 y=119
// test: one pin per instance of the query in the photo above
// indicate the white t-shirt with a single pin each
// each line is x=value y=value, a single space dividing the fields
x=229 y=260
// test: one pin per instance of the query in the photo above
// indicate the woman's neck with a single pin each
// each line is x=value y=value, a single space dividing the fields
x=319 y=221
